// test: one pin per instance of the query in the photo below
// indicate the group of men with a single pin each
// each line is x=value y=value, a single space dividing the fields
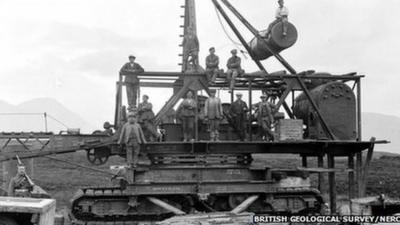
x=238 y=114
x=233 y=65
x=142 y=116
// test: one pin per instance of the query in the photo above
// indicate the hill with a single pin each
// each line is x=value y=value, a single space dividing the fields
x=382 y=127
x=29 y=116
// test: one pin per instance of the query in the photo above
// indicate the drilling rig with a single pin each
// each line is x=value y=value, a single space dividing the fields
x=181 y=178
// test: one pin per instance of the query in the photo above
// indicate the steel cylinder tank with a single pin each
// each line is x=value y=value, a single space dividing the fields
x=276 y=41
x=337 y=104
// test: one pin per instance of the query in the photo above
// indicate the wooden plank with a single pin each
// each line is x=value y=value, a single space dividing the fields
x=324 y=170
x=366 y=167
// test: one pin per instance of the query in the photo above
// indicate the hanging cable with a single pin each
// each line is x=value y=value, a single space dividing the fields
x=237 y=44
x=58 y=121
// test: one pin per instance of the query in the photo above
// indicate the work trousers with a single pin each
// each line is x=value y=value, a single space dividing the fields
x=132 y=154
x=212 y=74
x=214 y=129
x=265 y=125
x=231 y=75
x=188 y=127
x=149 y=130
x=284 y=21
x=131 y=93
x=194 y=61
x=240 y=126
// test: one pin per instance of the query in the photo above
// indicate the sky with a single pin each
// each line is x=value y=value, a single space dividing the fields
x=72 y=50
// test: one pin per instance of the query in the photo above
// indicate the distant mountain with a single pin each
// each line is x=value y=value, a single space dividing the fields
x=29 y=116
x=383 y=127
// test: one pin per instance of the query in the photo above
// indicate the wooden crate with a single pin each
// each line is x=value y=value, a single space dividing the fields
x=44 y=207
x=288 y=129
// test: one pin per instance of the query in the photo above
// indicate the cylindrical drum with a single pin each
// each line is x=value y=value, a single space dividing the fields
x=276 y=41
x=336 y=103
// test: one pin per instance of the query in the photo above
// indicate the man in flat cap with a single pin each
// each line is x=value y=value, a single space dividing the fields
x=130 y=70
x=238 y=111
x=132 y=137
x=213 y=113
x=212 y=69
x=265 y=116
x=234 y=69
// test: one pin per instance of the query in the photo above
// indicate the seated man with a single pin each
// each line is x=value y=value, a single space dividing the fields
x=212 y=69
x=234 y=69
x=281 y=15
x=20 y=185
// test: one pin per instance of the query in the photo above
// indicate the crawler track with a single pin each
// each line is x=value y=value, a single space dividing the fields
x=111 y=205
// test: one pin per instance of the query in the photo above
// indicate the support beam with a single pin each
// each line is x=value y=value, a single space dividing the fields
x=359 y=129
x=250 y=103
x=359 y=174
x=238 y=35
x=304 y=161
x=166 y=206
x=322 y=187
x=245 y=204
x=332 y=184
x=365 y=168
x=351 y=183
x=118 y=104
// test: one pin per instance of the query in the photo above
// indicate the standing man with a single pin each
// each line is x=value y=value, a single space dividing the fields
x=132 y=137
x=20 y=185
x=212 y=69
x=281 y=15
x=234 y=69
x=146 y=119
x=238 y=112
x=187 y=113
x=265 y=118
x=191 y=48
x=213 y=113
x=130 y=70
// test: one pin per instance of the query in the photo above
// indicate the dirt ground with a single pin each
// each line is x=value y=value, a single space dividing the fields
x=62 y=180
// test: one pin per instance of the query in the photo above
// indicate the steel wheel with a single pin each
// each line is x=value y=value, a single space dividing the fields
x=97 y=156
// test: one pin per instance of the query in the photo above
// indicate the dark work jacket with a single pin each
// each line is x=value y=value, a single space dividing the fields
x=187 y=108
x=238 y=108
x=131 y=134
x=145 y=112
x=212 y=61
x=131 y=72
x=234 y=63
